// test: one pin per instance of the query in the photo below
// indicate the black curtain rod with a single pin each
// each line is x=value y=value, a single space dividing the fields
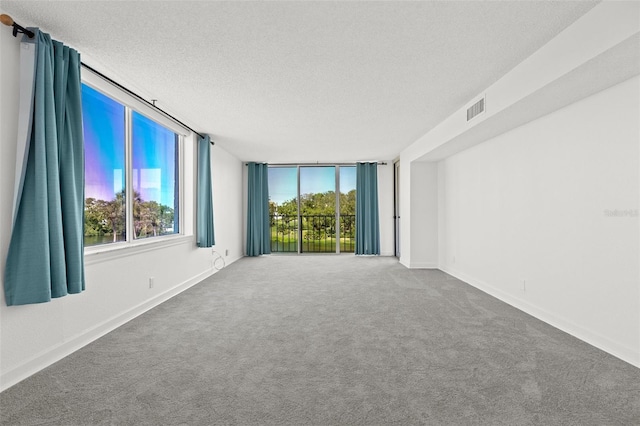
x=135 y=95
x=7 y=20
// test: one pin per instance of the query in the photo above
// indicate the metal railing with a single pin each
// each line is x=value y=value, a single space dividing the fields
x=314 y=233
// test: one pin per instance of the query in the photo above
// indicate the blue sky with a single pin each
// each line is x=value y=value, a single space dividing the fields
x=283 y=181
x=154 y=160
x=154 y=151
x=104 y=137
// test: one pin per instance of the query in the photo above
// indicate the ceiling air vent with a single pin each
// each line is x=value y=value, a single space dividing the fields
x=475 y=109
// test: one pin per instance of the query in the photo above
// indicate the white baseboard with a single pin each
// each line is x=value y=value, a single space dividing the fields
x=625 y=353
x=418 y=265
x=54 y=354
x=423 y=265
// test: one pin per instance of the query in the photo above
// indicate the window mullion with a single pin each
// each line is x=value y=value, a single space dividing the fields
x=180 y=179
x=299 y=211
x=129 y=175
x=337 y=212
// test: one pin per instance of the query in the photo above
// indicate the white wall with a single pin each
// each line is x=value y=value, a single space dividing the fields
x=34 y=336
x=599 y=50
x=385 y=205
x=527 y=218
x=227 y=203
x=523 y=188
x=422 y=243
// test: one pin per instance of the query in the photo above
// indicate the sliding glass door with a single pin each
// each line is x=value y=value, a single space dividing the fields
x=318 y=209
x=347 y=217
x=283 y=209
x=306 y=209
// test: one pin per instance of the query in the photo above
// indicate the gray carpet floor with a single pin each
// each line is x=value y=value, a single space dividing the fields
x=330 y=340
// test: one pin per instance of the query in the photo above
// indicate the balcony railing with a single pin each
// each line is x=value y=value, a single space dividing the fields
x=316 y=233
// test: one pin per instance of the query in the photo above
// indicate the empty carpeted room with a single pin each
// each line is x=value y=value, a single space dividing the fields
x=320 y=212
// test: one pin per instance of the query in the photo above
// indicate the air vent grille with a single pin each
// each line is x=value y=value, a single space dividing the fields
x=475 y=109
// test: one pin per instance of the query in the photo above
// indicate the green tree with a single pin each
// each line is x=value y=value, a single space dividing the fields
x=104 y=217
x=114 y=214
x=288 y=208
x=167 y=217
x=318 y=214
x=93 y=218
x=319 y=203
x=348 y=202
x=272 y=213
x=151 y=218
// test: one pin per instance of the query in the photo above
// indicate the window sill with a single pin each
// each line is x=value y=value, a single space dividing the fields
x=104 y=253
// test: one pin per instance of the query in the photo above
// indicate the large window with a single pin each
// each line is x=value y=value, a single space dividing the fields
x=132 y=169
x=155 y=178
x=308 y=215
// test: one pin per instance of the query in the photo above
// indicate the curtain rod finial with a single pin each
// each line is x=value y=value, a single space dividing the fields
x=6 y=19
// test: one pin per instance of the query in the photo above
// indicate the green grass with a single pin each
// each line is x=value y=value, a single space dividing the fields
x=287 y=242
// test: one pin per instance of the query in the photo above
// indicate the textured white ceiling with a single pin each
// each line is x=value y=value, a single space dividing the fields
x=304 y=81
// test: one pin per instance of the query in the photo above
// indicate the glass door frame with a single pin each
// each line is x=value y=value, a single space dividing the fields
x=396 y=208
x=336 y=210
x=337 y=191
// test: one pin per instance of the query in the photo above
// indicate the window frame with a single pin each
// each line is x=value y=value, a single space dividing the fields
x=133 y=245
x=338 y=191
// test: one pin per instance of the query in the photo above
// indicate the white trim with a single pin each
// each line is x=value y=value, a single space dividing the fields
x=111 y=251
x=25 y=119
x=625 y=353
x=421 y=265
x=52 y=355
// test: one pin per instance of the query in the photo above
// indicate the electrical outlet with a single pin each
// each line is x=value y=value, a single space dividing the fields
x=524 y=285
x=226 y=252
x=151 y=282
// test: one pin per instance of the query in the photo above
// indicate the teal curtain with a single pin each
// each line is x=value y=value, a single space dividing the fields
x=367 y=221
x=258 y=232
x=204 y=214
x=46 y=253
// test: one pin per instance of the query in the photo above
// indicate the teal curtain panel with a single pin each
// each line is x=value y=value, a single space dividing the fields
x=46 y=253
x=258 y=231
x=204 y=214
x=367 y=220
